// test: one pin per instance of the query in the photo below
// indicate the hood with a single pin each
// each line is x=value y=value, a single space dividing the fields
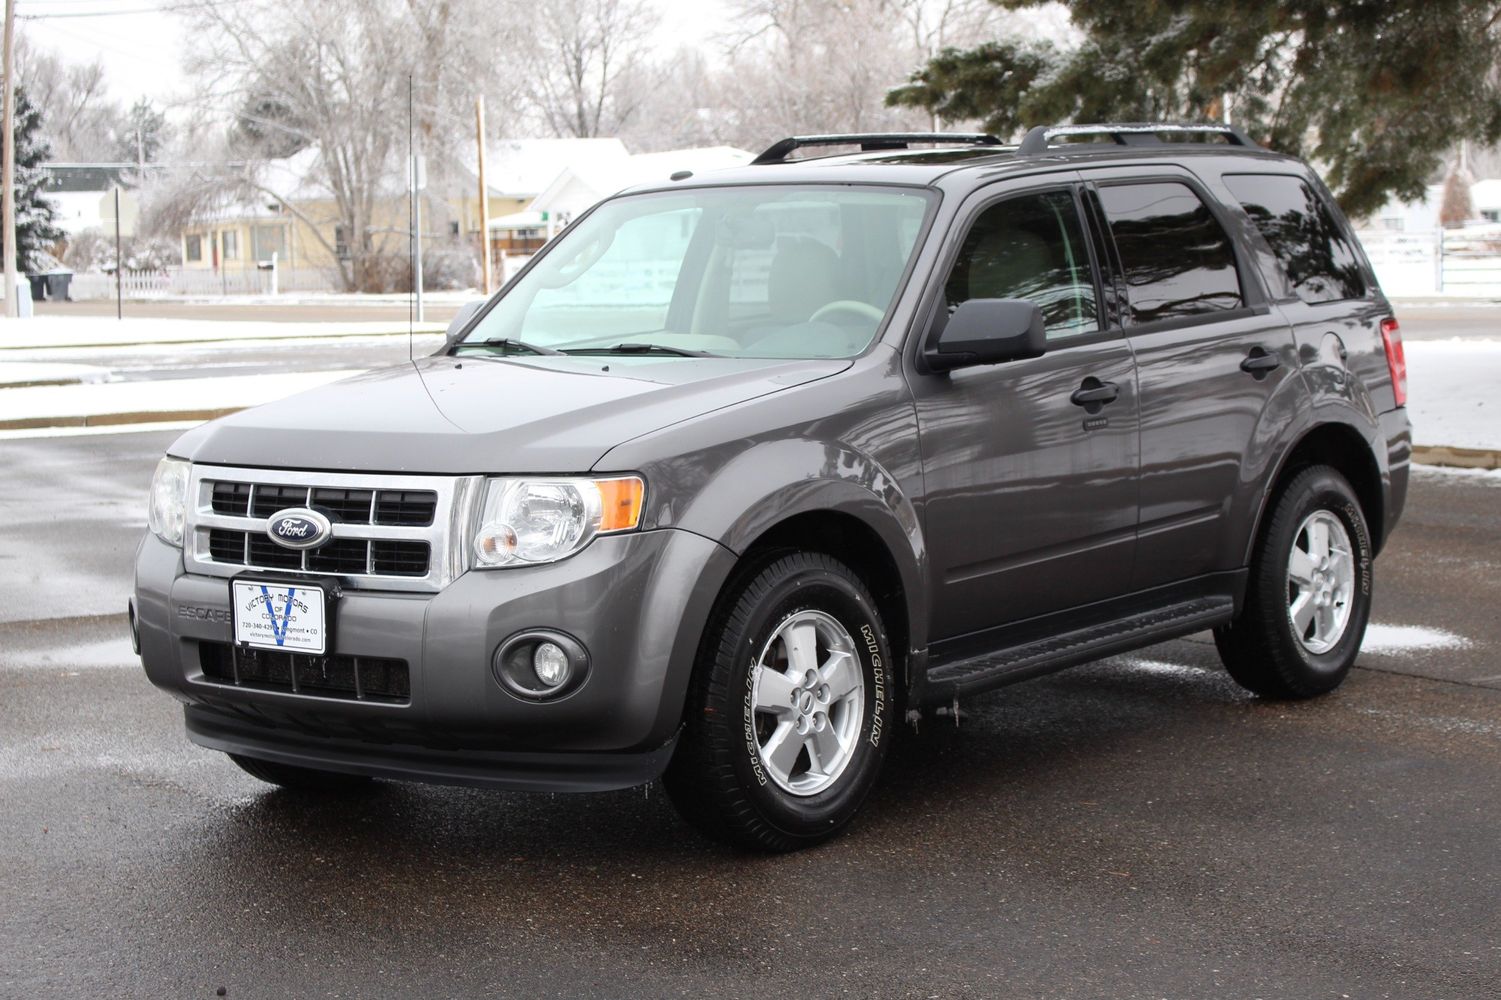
x=457 y=416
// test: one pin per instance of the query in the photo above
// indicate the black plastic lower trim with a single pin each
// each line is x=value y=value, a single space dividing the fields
x=511 y=770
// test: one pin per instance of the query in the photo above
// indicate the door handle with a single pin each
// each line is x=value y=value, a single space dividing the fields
x=1093 y=394
x=1259 y=363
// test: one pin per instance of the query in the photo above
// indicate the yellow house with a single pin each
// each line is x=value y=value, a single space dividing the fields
x=294 y=216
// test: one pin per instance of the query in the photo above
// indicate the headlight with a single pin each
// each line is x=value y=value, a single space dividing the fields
x=169 y=497
x=528 y=521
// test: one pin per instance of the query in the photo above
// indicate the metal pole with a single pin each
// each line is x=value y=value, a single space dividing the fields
x=119 y=263
x=8 y=174
x=484 y=196
x=417 y=186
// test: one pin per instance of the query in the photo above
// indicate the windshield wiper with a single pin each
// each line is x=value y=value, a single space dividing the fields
x=510 y=343
x=635 y=348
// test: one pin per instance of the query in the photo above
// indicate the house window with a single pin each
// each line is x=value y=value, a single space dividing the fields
x=193 y=248
x=1491 y=214
x=269 y=240
x=229 y=241
x=1393 y=223
x=341 y=242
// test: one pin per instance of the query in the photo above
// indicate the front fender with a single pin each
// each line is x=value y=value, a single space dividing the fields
x=774 y=481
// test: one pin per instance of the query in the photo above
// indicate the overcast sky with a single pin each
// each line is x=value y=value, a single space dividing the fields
x=141 y=45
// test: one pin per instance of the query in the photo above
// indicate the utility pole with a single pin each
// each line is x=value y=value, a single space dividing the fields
x=484 y=195
x=8 y=174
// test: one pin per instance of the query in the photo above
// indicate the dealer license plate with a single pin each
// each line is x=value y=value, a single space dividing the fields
x=289 y=617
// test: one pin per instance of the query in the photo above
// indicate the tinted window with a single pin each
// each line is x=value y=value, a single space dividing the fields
x=1031 y=247
x=1321 y=264
x=1178 y=260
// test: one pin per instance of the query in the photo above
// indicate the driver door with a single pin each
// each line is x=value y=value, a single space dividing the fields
x=1031 y=497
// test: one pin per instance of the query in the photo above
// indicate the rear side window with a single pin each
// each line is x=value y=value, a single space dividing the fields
x=1321 y=263
x=1177 y=259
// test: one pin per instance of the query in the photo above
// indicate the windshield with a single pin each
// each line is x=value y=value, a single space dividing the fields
x=759 y=271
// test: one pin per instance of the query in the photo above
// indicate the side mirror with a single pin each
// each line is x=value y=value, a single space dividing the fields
x=987 y=332
x=462 y=317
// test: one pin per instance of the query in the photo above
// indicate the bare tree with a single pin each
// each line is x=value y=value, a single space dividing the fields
x=582 y=55
x=80 y=119
x=333 y=76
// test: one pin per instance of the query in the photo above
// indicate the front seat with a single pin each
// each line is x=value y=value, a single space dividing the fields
x=804 y=278
x=1004 y=263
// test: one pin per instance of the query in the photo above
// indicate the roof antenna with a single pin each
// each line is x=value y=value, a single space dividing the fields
x=411 y=230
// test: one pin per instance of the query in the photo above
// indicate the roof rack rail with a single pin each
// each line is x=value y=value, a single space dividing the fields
x=778 y=152
x=1039 y=140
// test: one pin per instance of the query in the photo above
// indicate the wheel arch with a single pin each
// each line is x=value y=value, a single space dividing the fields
x=1344 y=448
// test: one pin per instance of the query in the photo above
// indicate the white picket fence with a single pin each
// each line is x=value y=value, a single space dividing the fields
x=1461 y=262
x=179 y=281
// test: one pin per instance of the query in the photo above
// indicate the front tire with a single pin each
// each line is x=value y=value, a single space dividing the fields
x=790 y=709
x=300 y=778
x=1309 y=595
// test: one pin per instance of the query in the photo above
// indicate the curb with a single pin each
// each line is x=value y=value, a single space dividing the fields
x=71 y=345
x=116 y=419
x=1457 y=458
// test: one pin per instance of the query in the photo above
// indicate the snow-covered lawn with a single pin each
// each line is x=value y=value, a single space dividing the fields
x=1451 y=395
x=92 y=331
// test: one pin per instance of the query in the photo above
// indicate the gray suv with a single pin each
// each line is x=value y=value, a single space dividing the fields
x=744 y=470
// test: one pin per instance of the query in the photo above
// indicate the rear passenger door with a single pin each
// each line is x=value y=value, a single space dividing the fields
x=1319 y=280
x=1030 y=496
x=1211 y=356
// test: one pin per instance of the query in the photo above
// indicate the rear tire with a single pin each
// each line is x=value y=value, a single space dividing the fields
x=300 y=778
x=1309 y=594
x=789 y=713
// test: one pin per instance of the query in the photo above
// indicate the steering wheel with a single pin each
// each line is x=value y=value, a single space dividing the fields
x=862 y=309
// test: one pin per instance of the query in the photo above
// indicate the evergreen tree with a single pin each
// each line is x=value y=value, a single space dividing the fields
x=1375 y=93
x=142 y=134
x=36 y=216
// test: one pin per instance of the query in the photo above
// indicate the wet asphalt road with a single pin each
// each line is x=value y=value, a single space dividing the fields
x=1133 y=828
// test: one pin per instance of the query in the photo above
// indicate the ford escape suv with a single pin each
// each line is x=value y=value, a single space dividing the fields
x=745 y=469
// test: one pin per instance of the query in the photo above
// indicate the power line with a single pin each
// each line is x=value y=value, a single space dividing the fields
x=163 y=9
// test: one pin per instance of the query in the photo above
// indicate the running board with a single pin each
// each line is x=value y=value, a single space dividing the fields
x=1067 y=649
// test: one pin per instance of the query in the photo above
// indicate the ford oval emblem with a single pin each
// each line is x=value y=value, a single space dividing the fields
x=299 y=528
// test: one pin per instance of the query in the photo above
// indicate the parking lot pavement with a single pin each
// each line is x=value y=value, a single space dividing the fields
x=1133 y=828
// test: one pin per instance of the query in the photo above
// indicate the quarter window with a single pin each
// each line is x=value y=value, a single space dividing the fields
x=1177 y=259
x=1030 y=247
x=1321 y=264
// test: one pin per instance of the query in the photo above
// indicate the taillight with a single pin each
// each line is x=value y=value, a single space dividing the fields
x=1396 y=359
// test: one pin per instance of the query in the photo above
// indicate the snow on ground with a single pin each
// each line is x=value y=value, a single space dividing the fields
x=1404 y=639
x=195 y=395
x=92 y=331
x=16 y=373
x=1450 y=392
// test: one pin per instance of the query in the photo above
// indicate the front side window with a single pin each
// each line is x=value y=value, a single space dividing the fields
x=269 y=240
x=1321 y=264
x=193 y=248
x=1177 y=259
x=1030 y=247
x=230 y=240
x=776 y=271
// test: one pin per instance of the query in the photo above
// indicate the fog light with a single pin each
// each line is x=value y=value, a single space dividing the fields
x=550 y=664
x=541 y=664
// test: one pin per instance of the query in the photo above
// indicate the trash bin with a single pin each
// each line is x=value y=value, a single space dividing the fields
x=57 y=285
x=38 y=286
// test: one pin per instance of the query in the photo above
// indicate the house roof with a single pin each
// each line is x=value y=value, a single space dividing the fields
x=605 y=178
x=522 y=168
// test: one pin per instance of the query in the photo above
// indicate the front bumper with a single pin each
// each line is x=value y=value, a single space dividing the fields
x=637 y=602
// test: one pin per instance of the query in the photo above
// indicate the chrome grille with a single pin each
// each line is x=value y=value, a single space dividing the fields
x=389 y=532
